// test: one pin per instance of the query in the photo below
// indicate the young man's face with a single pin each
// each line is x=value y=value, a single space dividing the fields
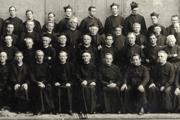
x=137 y=28
x=68 y=12
x=19 y=57
x=46 y=41
x=108 y=59
x=176 y=27
x=73 y=24
x=51 y=17
x=154 y=19
x=93 y=30
x=118 y=31
x=174 y=20
x=86 y=57
x=153 y=39
x=115 y=10
x=92 y=12
x=30 y=26
x=135 y=11
x=86 y=40
x=3 y=57
x=63 y=57
x=50 y=27
x=157 y=29
x=10 y=28
x=29 y=43
x=136 y=60
x=171 y=42
x=62 y=39
x=109 y=40
x=162 y=58
x=29 y=15
x=40 y=56
x=12 y=11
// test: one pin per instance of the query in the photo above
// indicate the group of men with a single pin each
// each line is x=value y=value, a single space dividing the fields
x=121 y=67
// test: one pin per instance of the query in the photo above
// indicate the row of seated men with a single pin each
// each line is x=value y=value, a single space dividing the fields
x=135 y=79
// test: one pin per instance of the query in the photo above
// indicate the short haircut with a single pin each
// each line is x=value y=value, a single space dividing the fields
x=51 y=13
x=29 y=11
x=135 y=54
x=12 y=7
x=114 y=4
x=67 y=7
x=39 y=51
x=63 y=52
x=90 y=7
x=108 y=54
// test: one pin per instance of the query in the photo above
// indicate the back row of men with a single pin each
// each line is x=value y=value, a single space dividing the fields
x=65 y=68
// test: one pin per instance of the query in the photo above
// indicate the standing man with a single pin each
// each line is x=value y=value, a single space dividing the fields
x=114 y=20
x=170 y=28
x=134 y=17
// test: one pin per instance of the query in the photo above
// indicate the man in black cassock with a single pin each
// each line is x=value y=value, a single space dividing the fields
x=63 y=77
x=19 y=80
x=161 y=85
x=86 y=75
x=40 y=86
x=109 y=79
x=170 y=28
x=114 y=20
x=134 y=17
x=135 y=79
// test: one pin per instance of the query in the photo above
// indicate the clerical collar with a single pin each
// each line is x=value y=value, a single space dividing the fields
x=38 y=62
x=4 y=63
x=20 y=64
x=50 y=32
x=62 y=45
x=63 y=62
x=163 y=64
x=86 y=46
x=46 y=46
x=116 y=15
x=91 y=16
x=30 y=31
x=108 y=46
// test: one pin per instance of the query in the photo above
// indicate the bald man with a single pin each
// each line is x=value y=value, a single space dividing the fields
x=161 y=85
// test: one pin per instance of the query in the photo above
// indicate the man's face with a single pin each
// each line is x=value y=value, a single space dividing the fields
x=10 y=28
x=87 y=39
x=62 y=39
x=46 y=41
x=135 y=11
x=40 y=56
x=174 y=20
x=108 y=59
x=92 y=12
x=86 y=57
x=154 y=19
x=162 y=58
x=30 y=26
x=73 y=23
x=63 y=57
x=118 y=31
x=19 y=57
x=115 y=10
x=109 y=40
x=153 y=39
x=29 y=15
x=51 y=17
x=157 y=29
x=136 y=60
x=171 y=42
x=93 y=30
x=137 y=28
x=177 y=27
x=50 y=27
x=3 y=57
x=29 y=43
x=68 y=12
x=8 y=40
x=131 y=39
x=12 y=11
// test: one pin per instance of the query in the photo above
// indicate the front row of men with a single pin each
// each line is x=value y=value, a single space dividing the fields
x=87 y=89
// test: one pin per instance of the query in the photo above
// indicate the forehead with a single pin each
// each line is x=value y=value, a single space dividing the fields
x=136 y=25
x=10 y=25
x=12 y=8
x=86 y=54
x=108 y=56
x=3 y=54
x=19 y=54
x=28 y=40
x=8 y=37
x=87 y=36
x=131 y=35
x=45 y=38
x=109 y=37
x=93 y=9
x=62 y=54
x=68 y=10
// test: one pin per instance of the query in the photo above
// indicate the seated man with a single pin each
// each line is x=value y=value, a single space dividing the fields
x=63 y=76
x=86 y=75
x=40 y=89
x=19 y=80
x=110 y=79
x=161 y=85
x=161 y=39
x=135 y=80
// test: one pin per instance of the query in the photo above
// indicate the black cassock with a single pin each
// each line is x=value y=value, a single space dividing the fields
x=63 y=25
x=88 y=96
x=134 y=99
x=110 y=97
x=63 y=73
x=20 y=75
x=162 y=75
x=41 y=98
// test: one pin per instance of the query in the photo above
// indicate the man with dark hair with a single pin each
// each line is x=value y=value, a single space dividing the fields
x=17 y=22
x=40 y=86
x=161 y=85
x=170 y=28
x=134 y=17
x=155 y=21
x=63 y=23
x=161 y=39
x=91 y=19
x=30 y=16
x=63 y=79
x=19 y=80
x=114 y=20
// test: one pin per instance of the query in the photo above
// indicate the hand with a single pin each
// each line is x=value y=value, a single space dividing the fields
x=40 y=84
x=93 y=84
x=152 y=85
x=123 y=87
x=175 y=55
x=177 y=92
x=99 y=47
x=162 y=88
x=49 y=58
x=141 y=88
x=16 y=86
x=84 y=83
x=68 y=85
x=142 y=46
x=147 y=60
x=57 y=84
x=25 y=86
x=112 y=85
